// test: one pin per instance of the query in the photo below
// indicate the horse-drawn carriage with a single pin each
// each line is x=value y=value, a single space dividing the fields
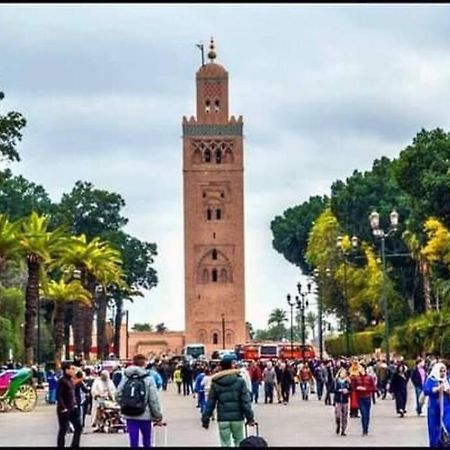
x=17 y=390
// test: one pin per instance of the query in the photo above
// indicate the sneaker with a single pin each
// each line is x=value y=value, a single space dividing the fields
x=343 y=433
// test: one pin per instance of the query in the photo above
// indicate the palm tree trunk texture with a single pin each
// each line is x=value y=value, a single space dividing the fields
x=78 y=327
x=89 y=318
x=102 y=351
x=117 y=327
x=58 y=328
x=31 y=303
x=426 y=285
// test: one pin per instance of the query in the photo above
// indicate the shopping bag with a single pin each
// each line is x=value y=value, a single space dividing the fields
x=159 y=434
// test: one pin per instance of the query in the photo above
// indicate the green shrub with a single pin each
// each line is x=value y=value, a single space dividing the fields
x=362 y=343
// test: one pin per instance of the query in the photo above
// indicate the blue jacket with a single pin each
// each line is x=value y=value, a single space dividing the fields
x=157 y=377
x=199 y=386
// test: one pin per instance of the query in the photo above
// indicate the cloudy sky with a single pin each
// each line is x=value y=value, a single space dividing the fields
x=323 y=90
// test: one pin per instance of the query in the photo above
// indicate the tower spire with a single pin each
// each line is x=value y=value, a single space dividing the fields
x=212 y=53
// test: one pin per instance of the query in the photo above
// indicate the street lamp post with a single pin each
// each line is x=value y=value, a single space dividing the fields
x=302 y=304
x=345 y=255
x=291 y=304
x=378 y=232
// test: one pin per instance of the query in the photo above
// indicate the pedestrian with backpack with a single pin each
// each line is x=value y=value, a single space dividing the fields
x=139 y=403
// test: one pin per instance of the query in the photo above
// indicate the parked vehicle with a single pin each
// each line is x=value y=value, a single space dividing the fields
x=16 y=390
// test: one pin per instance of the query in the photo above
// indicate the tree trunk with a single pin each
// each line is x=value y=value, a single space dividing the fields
x=78 y=327
x=31 y=304
x=102 y=351
x=58 y=331
x=89 y=318
x=117 y=327
x=426 y=284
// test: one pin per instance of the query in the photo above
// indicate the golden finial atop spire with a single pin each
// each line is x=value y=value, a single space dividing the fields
x=212 y=53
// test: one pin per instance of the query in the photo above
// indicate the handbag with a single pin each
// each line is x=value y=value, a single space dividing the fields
x=444 y=438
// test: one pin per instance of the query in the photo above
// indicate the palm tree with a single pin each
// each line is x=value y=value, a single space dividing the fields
x=276 y=321
x=9 y=240
x=62 y=293
x=38 y=245
x=98 y=264
x=311 y=320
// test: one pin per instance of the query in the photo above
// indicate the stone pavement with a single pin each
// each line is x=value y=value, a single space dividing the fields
x=300 y=423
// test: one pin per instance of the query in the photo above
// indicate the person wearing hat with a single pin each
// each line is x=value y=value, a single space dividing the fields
x=230 y=393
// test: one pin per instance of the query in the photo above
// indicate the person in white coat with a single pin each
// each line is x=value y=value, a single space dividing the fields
x=102 y=389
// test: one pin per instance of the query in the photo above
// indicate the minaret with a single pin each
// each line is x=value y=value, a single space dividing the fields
x=213 y=215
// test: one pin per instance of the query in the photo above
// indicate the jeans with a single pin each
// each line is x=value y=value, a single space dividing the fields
x=364 y=407
x=186 y=387
x=304 y=386
x=255 y=391
x=418 y=405
x=233 y=429
x=202 y=400
x=319 y=389
x=144 y=427
x=51 y=396
x=341 y=415
x=72 y=417
x=268 y=392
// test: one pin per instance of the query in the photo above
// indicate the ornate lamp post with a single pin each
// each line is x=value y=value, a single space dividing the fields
x=223 y=331
x=302 y=304
x=374 y=220
x=345 y=255
x=291 y=304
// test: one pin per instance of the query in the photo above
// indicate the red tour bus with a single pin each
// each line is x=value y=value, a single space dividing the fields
x=298 y=352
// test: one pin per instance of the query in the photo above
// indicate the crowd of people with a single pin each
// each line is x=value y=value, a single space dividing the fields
x=227 y=390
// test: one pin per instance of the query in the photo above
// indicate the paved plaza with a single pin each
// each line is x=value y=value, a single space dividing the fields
x=300 y=423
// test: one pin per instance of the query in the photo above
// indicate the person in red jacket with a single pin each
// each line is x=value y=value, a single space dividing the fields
x=364 y=386
x=256 y=378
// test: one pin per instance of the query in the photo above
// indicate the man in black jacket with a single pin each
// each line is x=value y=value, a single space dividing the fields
x=230 y=392
x=66 y=407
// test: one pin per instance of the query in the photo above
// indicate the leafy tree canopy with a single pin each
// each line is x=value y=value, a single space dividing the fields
x=11 y=125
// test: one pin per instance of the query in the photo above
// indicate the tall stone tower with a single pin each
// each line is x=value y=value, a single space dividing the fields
x=213 y=215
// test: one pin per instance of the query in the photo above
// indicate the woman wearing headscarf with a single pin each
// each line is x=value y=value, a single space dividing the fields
x=102 y=389
x=399 y=388
x=437 y=385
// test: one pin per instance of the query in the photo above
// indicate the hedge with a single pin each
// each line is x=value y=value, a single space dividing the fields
x=362 y=343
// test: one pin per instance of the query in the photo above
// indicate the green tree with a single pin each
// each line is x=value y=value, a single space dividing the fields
x=12 y=307
x=90 y=211
x=19 y=197
x=161 y=328
x=9 y=240
x=311 y=322
x=291 y=230
x=11 y=125
x=143 y=327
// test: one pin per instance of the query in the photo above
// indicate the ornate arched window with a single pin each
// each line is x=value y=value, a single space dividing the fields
x=207 y=155
x=217 y=105
x=228 y=156
x=207 y=105
x=197 y=157
x=215 y=338
x=219 y=156
x=218 y=214
x=208 y=214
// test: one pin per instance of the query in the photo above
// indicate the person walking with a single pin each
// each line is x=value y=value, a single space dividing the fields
x=52 y=381
x=286 y=382
x=304 y=375
x=186 y=376
x=140 y=413
x=256 y=379
x=66 y=406
x=364 y=387
x=372 y=373
x=270 y=379
x=278 y=371
x=232 y=397
x=329 y=382
x=319 y=375
x=418 y=377
x=199 y=389
x=398 y=387
x=341 y=390
x=177 y=378
x=437 y=389
x=353 y=372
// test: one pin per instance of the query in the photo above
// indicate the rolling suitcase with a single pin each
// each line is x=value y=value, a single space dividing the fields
x=159 y=435
x=256 y=427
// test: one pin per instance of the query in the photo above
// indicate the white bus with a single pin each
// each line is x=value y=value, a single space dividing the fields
x=194 y=351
